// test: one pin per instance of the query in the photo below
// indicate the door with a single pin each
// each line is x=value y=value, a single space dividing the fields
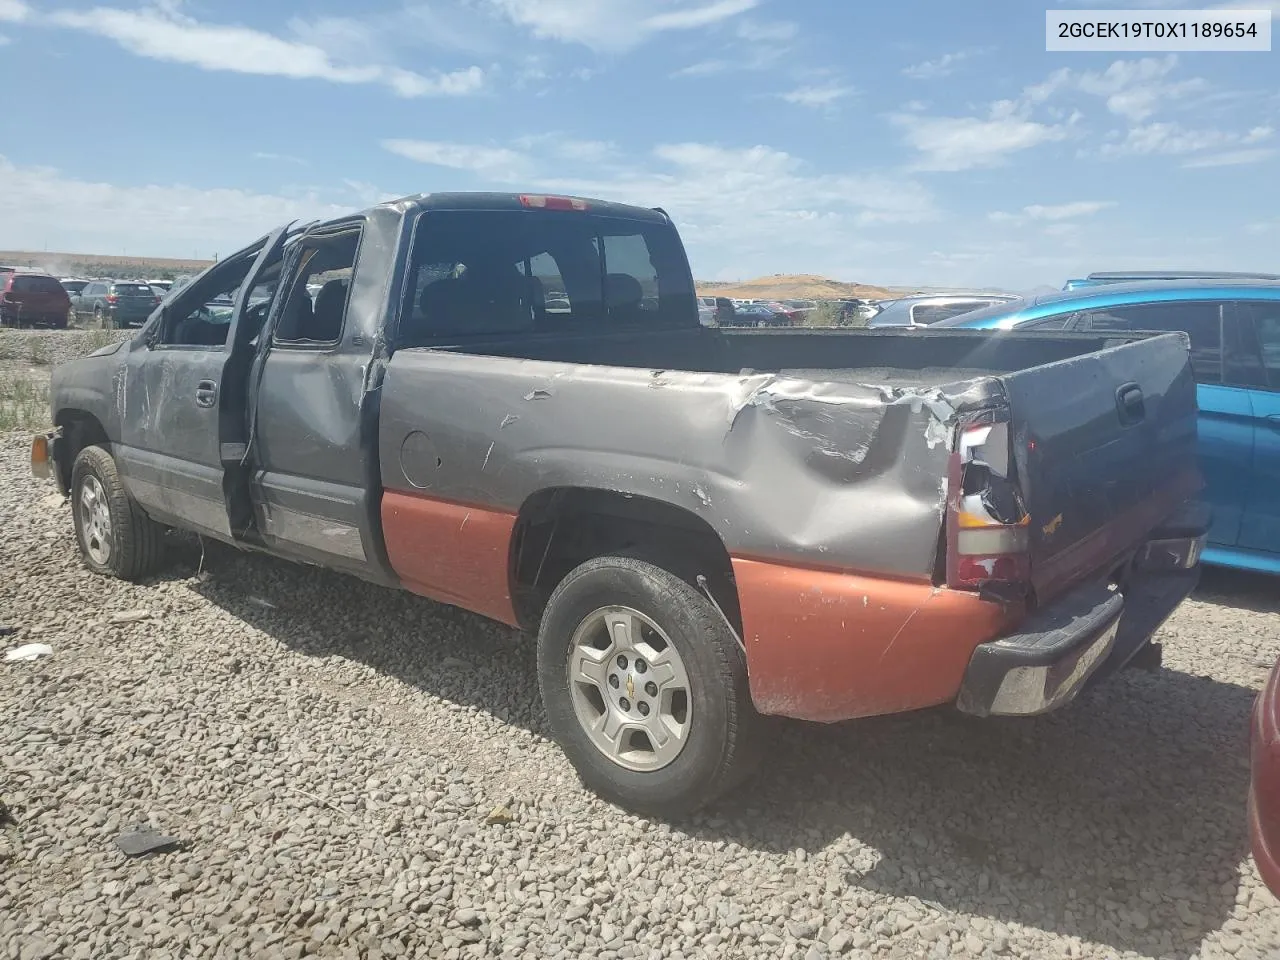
x=1260 y=529
x=310 y=459
x=1225 y=428
x=171 y=409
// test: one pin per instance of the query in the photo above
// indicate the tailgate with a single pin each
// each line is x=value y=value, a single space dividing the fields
x=1105 y=451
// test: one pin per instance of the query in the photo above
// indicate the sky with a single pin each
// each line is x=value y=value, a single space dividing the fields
x=893 y=143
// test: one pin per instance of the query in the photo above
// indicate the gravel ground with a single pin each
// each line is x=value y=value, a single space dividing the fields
x=359 y=773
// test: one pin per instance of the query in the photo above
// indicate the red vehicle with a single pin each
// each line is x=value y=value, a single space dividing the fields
x=33 y=299
x=1264 y=788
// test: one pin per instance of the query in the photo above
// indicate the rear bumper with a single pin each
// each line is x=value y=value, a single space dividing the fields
x=1046 y=662
x=1091 y=632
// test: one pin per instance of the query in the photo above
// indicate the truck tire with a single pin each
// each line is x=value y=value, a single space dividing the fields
x=645 y=687
x=116 y=537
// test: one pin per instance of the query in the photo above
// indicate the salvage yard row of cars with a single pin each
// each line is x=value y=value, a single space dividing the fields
x=29 y=298
x=525 y=416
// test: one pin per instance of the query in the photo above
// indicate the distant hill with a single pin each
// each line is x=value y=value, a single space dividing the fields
x=783 y=286
x=93 y=265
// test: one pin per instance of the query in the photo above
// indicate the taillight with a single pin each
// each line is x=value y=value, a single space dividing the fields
x=988 y=528
x=112 y=298
x=540 y=202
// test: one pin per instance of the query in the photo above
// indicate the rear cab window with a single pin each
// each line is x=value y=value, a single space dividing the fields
x=487 y=273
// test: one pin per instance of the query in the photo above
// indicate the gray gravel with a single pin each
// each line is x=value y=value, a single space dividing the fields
x=359 y=773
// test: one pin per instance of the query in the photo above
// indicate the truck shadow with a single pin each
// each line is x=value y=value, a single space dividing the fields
x=1101 y=821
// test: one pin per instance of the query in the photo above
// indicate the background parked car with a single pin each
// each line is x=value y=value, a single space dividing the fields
x=115 y=304
x=757 y=315
x=707 y=311
x=1234 y=327
x=33 y=299
x=72 y=285
x=922 y=311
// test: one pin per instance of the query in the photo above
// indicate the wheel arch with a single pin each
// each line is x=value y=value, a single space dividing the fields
x=558 y=528
x=80 y=429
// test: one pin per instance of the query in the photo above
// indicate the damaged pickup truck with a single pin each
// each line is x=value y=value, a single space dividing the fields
x=507 y=403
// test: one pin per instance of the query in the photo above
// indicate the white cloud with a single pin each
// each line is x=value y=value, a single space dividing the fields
x=615 y=24
x=690 y=18
x=1133 y=89
x=14 y=11
x=1066 y=211
x=705 y=68
x=167 y=35
x=278 y=157
x=1232 y=158
x=943 y=66
x=1054 y=213
x=963 y=143
x=496 y=162
x=42 y=205
x=823 y=95
x=1172 y=139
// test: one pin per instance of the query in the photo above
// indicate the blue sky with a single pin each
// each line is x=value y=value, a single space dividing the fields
x=899 y=143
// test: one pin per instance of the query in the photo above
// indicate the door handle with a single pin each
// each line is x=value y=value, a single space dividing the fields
x=1273 y=421
x=1130 y=403
x=206 y=393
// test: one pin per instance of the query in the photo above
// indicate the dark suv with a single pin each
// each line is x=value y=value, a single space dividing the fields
x=114 y=305
x=32 y=299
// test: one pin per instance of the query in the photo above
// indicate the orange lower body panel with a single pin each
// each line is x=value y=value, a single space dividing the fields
x=451 y=552
x=832 y=646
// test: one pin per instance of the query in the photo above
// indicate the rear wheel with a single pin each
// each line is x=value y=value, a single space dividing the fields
x=645 y=687
x=115 y=536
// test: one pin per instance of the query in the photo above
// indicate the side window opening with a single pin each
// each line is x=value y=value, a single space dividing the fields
x=314 y=311
x=1253 y=353
x=1199 y=319
x=201 y=313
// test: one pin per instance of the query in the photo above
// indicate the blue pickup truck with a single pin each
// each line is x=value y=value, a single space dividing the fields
x=1234 y=326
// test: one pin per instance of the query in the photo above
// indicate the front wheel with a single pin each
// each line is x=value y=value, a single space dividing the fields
x=116 y=537
x=645 y=687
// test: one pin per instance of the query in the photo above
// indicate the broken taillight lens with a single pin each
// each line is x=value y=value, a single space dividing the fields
x=988 y=539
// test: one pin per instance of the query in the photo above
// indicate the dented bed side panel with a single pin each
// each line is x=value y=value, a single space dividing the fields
x=838 y=475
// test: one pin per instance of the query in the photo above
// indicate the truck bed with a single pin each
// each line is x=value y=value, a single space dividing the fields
x=825 y=448
x=909 y=359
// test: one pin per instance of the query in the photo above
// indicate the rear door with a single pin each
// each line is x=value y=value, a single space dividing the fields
x=1105 y=450
x=1260 y=529
x=171 y=403
x=1226 y=435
